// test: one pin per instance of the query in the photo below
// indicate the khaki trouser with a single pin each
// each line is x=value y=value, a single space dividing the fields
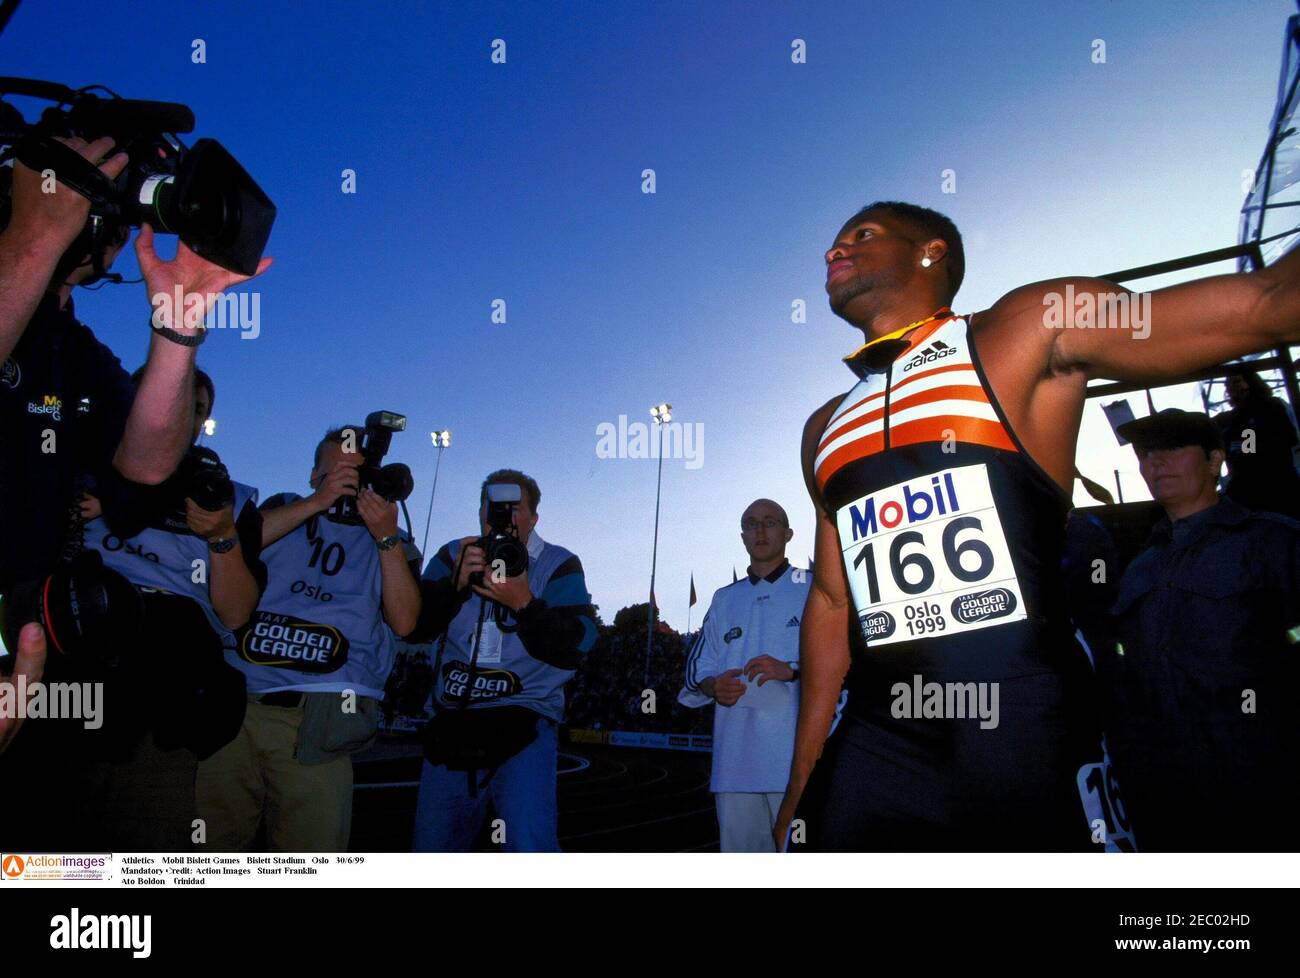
x=256 y=778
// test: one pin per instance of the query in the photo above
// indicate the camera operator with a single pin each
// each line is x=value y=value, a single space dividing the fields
x=69 y=411
x=511 y=637
x=316 y=655
x=66 y=405
x=199 y=564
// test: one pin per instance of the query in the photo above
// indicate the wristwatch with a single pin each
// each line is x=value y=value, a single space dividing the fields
x=794 y=667
x=388 y=543
x=222 y=545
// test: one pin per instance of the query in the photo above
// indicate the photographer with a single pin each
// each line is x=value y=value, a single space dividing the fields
x=316 y=654
x=199 y=565
x=69 y=412
x=514 y=619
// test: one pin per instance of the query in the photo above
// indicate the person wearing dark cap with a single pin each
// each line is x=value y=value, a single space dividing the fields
x=1200 y=724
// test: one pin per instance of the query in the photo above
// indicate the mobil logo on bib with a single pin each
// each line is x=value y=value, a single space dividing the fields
x=903 y=504
x=929 y=556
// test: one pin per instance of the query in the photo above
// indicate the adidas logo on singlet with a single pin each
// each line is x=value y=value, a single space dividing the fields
x=935 y=351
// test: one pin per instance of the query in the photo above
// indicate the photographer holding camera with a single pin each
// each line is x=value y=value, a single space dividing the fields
x=514 y=619
x=68 y=411
x=317 y=651
x=198 y=564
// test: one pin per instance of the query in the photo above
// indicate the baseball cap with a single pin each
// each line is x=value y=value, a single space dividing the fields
x=1172 y=428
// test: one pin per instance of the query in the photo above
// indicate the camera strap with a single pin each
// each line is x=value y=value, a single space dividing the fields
x=463 y=701
x=43 y=152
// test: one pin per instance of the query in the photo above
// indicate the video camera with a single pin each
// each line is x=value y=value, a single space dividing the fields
x=200 y=193
x=502 y=543
x=392 y=481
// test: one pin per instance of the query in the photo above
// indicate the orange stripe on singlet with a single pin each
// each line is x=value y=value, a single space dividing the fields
x=956 y=392
x=967 y=431
x=868 y=445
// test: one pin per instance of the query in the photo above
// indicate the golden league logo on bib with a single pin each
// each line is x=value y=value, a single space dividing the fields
x=304 y=646
x=929 y=557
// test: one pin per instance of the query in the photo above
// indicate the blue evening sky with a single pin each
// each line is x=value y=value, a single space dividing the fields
x=522 y=182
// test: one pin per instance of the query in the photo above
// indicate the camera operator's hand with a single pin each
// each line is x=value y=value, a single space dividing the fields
x=195 y=276
x=379 y=514
x=91 y=509
x=207 y=524
x=29 y=663
x=51 y=221
x=342 y=480
x=512 y=592
x=471 y=560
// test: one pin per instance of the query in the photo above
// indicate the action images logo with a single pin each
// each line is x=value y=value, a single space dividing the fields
x=278 y=640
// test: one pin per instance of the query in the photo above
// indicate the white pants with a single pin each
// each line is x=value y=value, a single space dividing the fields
x=746 y=818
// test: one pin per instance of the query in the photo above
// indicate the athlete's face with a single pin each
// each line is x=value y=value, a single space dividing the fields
x=1179 y=477
x=871 y=254
x=764 y=531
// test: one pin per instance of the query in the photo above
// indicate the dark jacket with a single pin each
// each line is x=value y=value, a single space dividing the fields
x=1200 y=719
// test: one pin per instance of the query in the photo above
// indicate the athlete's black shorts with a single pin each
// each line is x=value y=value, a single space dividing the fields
x=945 y=785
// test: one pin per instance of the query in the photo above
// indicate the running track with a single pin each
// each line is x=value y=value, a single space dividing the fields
x=612 y=799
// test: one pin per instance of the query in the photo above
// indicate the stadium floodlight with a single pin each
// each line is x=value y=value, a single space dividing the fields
x=662 y=415
x=441 y=439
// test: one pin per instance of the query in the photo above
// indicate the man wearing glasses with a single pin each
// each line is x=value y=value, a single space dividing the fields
x=746 y=659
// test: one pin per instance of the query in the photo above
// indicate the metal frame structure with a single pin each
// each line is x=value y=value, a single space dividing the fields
x=1280 y=359
x=1250 y=252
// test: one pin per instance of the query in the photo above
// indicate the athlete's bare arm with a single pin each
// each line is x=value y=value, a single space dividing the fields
x=1039 y=355
x=823 y=636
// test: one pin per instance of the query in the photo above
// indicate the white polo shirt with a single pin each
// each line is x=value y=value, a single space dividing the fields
x=753 y=741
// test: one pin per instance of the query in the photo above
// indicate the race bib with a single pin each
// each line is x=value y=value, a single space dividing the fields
x=929 y=557
x=279 y=640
